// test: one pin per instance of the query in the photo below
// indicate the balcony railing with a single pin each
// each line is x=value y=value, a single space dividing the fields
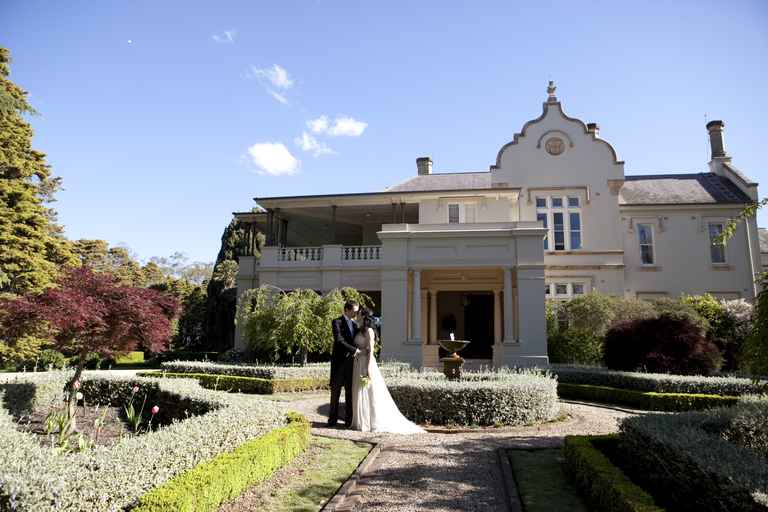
x=361 y=253
x=300 y=254
x=325 y=255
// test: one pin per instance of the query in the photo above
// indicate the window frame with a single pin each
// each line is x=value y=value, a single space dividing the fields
x=713 y=246
x=550 y=210
x=460 y=208
x=652 y=245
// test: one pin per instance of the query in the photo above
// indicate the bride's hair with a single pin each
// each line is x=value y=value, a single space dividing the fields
x=369 y=321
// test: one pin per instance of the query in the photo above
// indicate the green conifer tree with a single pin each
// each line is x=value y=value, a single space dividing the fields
x=32 y=248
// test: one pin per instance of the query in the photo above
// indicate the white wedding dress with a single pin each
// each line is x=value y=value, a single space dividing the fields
x=373 y=409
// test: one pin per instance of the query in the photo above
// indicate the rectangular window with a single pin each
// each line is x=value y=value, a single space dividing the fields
x=542 y=217
x=578 y=288
x=547 y=290
x=453 y=214
x=561 y=289
x=541 y=202
x=645 y=238
x=573 y=202
x=557 y=202
x=716 y=249
x=557 y=221
x=575 y=220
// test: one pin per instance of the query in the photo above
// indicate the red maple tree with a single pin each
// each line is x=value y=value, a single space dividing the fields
x=91 y=312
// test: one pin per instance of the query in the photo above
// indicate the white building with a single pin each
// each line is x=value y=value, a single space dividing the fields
x=476 y=253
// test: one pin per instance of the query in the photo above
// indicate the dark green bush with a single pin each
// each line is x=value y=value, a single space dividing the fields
x=667 y=344
x=47 y=358
x=575 y=347
x=255 y=385
x=208 y=485
x=605 y=486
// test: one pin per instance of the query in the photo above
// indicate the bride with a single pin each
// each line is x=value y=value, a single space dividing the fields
x=373 y=409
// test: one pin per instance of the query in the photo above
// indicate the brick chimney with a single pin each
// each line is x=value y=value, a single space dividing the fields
x=424 y=165
x=593 y=128
x=715 y=129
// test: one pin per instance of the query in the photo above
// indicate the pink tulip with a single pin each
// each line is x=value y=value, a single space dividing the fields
x=76 y=384
x=155 y=410
x=135 y=389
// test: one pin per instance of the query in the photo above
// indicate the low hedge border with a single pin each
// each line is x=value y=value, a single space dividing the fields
x=519 y=397
x=645 y=400
x=252 y=385
x=604 y=485
x=209 y=484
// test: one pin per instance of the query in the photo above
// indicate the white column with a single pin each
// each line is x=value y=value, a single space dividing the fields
x=433 y=316
x=424 y=318
x=533 y=332
x=416 y=307
x=509 y=336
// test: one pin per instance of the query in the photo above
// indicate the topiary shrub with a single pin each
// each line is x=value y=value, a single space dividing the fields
x=671 y=343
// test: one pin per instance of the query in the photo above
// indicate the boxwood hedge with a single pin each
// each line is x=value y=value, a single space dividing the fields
x=308 y=371
x=237 y=384
x=689 y=464
x=604 y=485
x=35 y=478
x=657 y=382
x=498 y=398
x=646 y=400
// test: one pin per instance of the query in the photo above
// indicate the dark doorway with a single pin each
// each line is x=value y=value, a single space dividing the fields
x=469 y=315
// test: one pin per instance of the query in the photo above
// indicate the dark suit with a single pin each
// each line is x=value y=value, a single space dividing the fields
x=342 y=361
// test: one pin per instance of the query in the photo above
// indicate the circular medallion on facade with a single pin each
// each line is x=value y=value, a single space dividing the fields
x=555 y=146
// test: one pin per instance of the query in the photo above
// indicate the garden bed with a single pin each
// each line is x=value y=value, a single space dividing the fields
x=35 y=478
x=541 y=483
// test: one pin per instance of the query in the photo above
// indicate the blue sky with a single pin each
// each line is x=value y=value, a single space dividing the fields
x=157 y=115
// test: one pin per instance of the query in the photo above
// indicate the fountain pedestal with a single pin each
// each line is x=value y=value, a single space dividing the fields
x=453 y=363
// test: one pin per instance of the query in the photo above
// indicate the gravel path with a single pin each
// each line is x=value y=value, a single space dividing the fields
x=446 y=471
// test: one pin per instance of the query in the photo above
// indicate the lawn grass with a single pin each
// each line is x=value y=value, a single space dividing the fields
x=541 y=483
x=307 y=483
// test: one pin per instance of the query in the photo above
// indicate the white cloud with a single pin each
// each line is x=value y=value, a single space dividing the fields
x=308 y=143
x=276 y=75
x=273 y=158
x=228 y=36
x=319 y=125
x=347 y=126
x=279 y=97
x=341 y=126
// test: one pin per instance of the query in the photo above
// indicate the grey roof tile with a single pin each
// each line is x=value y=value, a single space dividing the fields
x=699 y=188
x=444 y=181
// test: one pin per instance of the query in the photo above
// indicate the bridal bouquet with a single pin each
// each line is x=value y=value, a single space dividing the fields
x=364 y=381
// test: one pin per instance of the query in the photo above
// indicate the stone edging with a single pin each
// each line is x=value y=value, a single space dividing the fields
x=343 y=500
x=508 y=480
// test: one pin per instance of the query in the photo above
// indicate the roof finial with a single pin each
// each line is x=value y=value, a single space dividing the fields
x=551 y=91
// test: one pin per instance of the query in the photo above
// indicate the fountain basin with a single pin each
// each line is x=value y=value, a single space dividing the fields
x=453 y=346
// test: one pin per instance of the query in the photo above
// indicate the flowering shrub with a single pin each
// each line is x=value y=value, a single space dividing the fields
x=688 y=462
x=656 y=382
x=33 y=477
x=479 y=398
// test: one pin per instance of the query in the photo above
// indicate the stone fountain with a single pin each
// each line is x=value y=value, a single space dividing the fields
x=453 y=363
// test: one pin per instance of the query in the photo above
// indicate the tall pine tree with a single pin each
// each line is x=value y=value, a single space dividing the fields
x=32 y=248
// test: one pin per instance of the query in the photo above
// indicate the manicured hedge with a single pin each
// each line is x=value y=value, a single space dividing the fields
x=643 y=400
x=689 y=465
x=604 y=485
x=658 y=382
x=503 y=398
x=236 y=384
x=206 y=486
x=35 y=478
x=136 y=357
x=307 y=371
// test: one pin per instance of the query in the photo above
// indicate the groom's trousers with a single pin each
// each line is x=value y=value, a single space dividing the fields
x=344 y=380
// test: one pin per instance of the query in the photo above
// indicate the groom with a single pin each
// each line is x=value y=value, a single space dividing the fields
x=342 y=360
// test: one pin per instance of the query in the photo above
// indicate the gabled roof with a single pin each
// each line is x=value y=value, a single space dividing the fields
x=699 y=188
x=444 y=181
x=762 y=234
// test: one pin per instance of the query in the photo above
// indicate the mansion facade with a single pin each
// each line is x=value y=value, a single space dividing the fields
x=478 y=253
